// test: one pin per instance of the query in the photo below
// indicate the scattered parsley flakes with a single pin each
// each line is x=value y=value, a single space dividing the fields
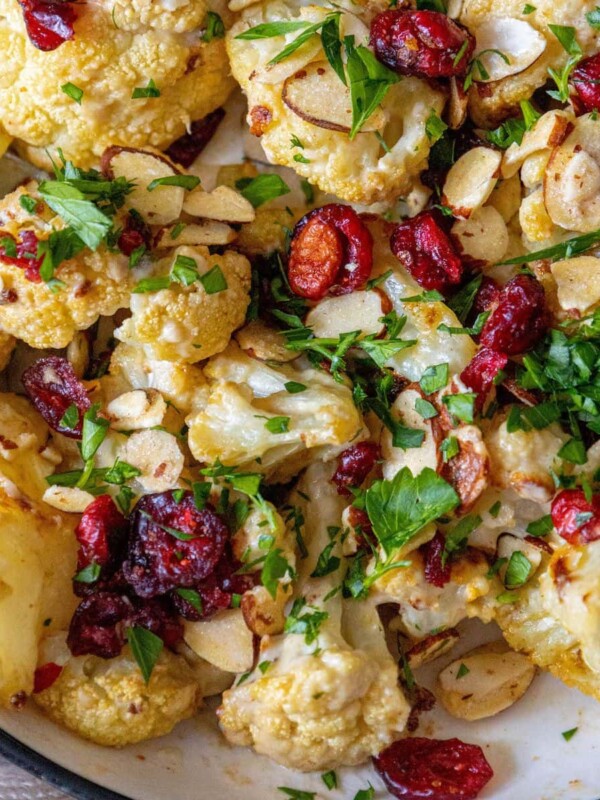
x=568 y=735
x=566 y=35
x=528 y=9
x=296 y=794
x=214 y=281
x=541 y=527
x=89 y=574
x=434 y=378
x=435 y=127
x=462 y=671
x=141 y=92
x=263 y=188
x=305 y=620
x=192 y=597
x=72 y=91
x=146 y=648
x=518 y=570
x=425 y=409
x=330 y=780
x=214 y=27
x=294 y=387
x=187 y=182
x=28 y=203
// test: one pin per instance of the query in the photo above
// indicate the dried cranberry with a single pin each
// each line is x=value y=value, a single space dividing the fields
x=172 y=544
x=576 y=519
x=53 y=387
x=158 y=616
x=423 y=43
x=365 y=536
x=135 y=234
x=26 y=254
x=97 y=626
x=45 y=676
x=354 y=464
x=519 y=320
x=424 y=248
x=101 y=533
x=487 y=296
x=49 y=24
x=480 y=373
x=585 y=79
x=188 y=147
x=331 y=251
x=437 y=569
x=437 y=769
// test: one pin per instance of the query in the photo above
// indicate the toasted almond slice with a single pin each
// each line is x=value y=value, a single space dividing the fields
x=484 y=236
x=317 y=95
x=432 y=647
x=223 y=203
x=224 y=640
x=278 y=73
x=469 y=469
x=358 y=311
x=207 y=232
x=549 y=131
x=572 y=179
x=492 y=678
x=265 y=343
x=471 y=180
x=395 y=458
x=457 y=105
x=157 y=455
x=518 y=41
x=158 y=207
x=263 y=614
x=138 y=409
x=68 y=498
x=577 y=282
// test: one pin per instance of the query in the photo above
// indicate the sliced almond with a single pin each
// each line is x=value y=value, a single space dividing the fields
x=549 y=131
x=263 y=614
x=207 y=232
x=577 y=283
x=471 y=180
x=68 y=498
x=431 y=647
x=224 y=640
x=261 y=341
x=469 y=469
x=458 y=104
x=158 y=457
x=572 y=179
x=158 y=207
x=484 y=682
x=317 y=95
x=484 y=236
x=518 y=41
x=141 y=408
x=357 y=311
x=223 y=203
x=278 y=73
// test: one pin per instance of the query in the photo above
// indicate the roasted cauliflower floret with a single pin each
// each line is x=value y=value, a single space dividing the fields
x=555 y=617
x=529 y=47
x=94 y=283
x=302 y=98
x=250 y=415
x=331 y=698
x=108 y=702
x=189 y=323
x=117 y=47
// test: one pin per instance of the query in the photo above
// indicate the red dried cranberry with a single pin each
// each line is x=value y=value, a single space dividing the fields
x=424 y=248
x=365 y=536
x=437 y=769
x=487 y=296
x=576 y=519
x=101 y=533
x=331 y=251
x=45 y=676
x=423 y=43
x=156 y=615
x=26 y=255
x=437 y=569
x=53 y=387
x=97 y=626
x=49 y=24
x=585 y=79
x=172 y=544
x=480 y=373
x=135 y=234
x=519 y=320
x=188 y=147
x=354 y=464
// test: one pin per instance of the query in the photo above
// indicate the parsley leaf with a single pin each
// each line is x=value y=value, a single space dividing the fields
x=399 y=508
x=518 y=570
x=151 y=90
x=214 y=27
x=72 y=91
x=263 y=188
x=566 y=35
x=275 y=567
x=80 y=213
x=435 y=127
x=305 y=620
x=146 y=648
x=434 y=378
x=369 y=82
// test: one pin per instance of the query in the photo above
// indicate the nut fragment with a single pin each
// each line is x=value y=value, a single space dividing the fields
x=263 y=614
x=492 y=678
x=506 y=46
x=483 y=236
x=548 y=131
x=261 y=341
x=158 y=457
x=577 y=283
x=432 y=647
x=142 y=408
x=223 y=203
x=471 y=180
x=224 y=640
x=68 y=498
x=207 y=232
x=358 y=311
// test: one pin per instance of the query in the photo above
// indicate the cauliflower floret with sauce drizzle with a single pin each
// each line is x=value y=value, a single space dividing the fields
x=249 y=415
x=286 y=100
x=330 y=697
x=117 y=47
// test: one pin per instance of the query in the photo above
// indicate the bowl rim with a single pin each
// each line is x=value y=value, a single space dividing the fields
x=42 y=767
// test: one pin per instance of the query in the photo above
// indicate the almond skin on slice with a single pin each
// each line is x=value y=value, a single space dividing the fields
x=223 y=204
x=471 y=181
x=432 y=647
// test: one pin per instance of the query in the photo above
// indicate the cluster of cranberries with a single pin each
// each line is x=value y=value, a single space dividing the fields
x=137 y=569
x=23 y=254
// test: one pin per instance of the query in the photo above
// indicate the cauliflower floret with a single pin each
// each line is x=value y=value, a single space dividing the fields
x=95 y=283
x=358 y=170
x=108 y=702
x=250 y=415
x=555 y=617
x=489 y=108
x=190 y=323
x=329 y=700
x=117 y=47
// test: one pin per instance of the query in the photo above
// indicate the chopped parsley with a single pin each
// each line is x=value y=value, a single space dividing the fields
x=263 y=188
x=146 y=648
x=305 y=620
x=214 y=27
x=518 y=570
x=566 y=35
x=72 y=91
x=150 y=90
